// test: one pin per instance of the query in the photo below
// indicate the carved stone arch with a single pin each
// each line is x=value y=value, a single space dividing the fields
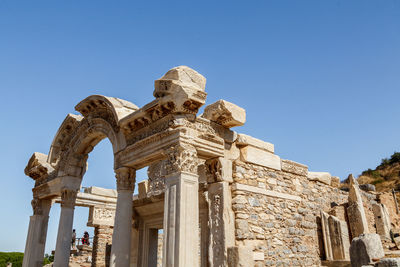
x=77 y=136
x=62 y=138
x=111 y=109
x=89 y=133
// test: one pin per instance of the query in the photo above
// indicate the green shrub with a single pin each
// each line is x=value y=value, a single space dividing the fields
x=378 y=181
x=14 y=257
x=395 y=158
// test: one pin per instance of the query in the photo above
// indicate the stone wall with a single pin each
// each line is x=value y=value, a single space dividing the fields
x=277 y=212
x=102 y=241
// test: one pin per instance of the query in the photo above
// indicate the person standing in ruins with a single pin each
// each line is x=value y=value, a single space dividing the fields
x=73 y=238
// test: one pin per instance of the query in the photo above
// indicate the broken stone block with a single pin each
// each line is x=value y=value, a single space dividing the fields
x=225 y=113
x=326 y=236
x=382 y=220
x=367 y=187
x=143 y=188
x=247 y=140
x=356 y=213
x=339 y=236
x=294 y=167
x=366 y=249
x=335 y=181
x=389 y=262
x=257 y=156
x=323 y=177
x=181 y=76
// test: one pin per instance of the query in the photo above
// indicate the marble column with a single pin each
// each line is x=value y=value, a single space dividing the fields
x=181 y=208
x=121 y=242
x=37 y=233
x=63 y=245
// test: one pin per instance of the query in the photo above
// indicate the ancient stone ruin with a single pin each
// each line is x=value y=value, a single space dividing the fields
x=221 y=198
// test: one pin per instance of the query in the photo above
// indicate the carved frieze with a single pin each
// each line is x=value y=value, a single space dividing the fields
x=103 y=214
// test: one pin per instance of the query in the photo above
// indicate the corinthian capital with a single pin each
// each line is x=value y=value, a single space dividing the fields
x=68 y=197
x=36 y=206
x=125 y=178
x=181 y=158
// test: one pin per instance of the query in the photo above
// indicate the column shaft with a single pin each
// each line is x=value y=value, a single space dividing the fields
x=37 y=233
x=121 y=245
x=121 y=242
x=64 y=235
x=181 y=221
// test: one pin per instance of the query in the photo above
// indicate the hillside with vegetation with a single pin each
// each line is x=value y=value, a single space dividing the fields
x=386 y=176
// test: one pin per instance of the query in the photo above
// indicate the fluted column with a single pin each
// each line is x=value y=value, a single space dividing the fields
x=37 y=233
x=121 y=242
x=63 y=245
x=181 y=210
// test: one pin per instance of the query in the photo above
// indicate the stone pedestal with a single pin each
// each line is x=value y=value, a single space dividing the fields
x=121 y=241
x=181 y=221
x=101 y=240
x=63 y=245
x=37 y=233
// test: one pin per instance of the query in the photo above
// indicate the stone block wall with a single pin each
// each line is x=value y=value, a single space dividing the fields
x=102 y=241
x=277 y=212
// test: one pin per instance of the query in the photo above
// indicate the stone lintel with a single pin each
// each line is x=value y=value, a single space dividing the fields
x=90 y=200
x=247 y=140
x=294 y=167
x=225 y=113
x=54 y=187
x=148 y=150
x=260 y=157
x=94 y=190
x=258 y=190
x=208 y=146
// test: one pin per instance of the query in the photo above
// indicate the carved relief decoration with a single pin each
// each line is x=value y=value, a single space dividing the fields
x=182 y=158
x=36 y=206
x=103 y=214
x=213 y=170
x=216 y=231
x=68 y=197
x=148 y=116
x=125 y=178
x=156 y=173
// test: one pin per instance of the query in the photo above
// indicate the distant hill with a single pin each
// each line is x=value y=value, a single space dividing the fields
x=386 y=176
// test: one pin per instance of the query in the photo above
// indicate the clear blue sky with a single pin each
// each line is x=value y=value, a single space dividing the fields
x=319 y=79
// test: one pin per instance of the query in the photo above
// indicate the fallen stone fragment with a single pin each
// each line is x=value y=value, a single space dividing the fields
x=366 y=249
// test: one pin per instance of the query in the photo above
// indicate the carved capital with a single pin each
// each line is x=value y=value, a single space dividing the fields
x=68 y=197
x=36 y=206
x=218 y=169
x=125 y=178
x=181 y=158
